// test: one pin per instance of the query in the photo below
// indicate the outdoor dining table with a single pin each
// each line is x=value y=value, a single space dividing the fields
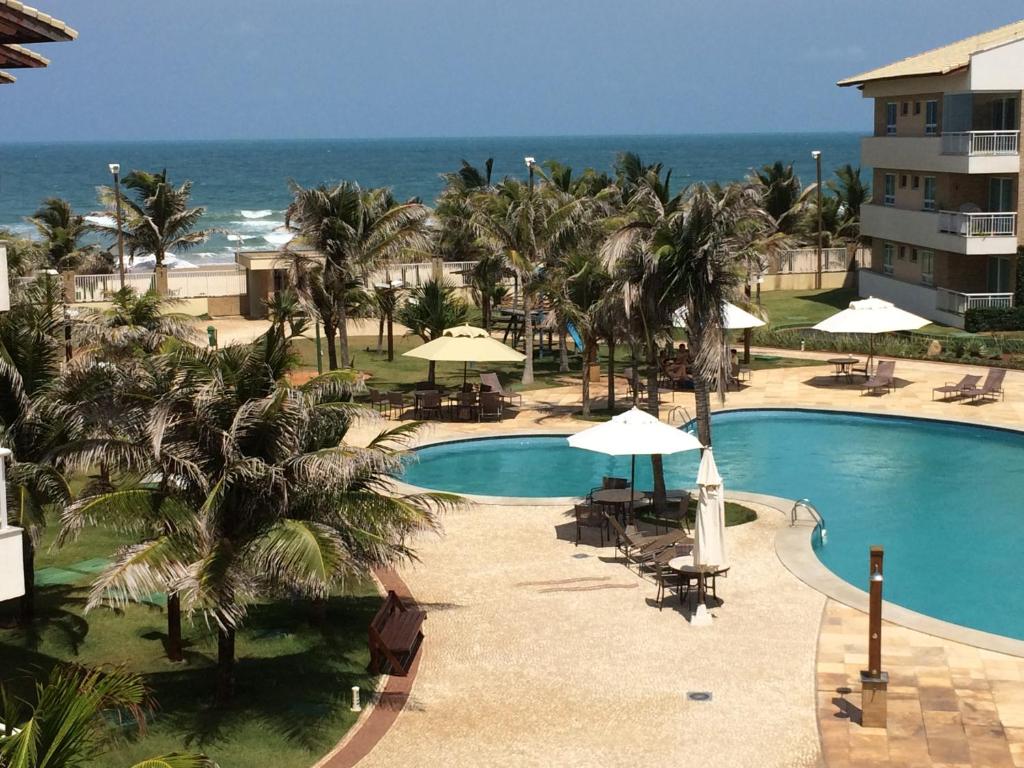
x=684 y=565
x=843 y=366
x=619 y=498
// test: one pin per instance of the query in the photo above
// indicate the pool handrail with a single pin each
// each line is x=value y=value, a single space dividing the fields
x=816 y=516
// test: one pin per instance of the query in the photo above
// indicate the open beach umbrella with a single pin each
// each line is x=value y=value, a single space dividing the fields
x=466 y=344
x=871 y=316
x=736 y=319
x=634 y=433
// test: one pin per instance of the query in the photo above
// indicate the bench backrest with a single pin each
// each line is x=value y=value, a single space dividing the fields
x=392 y=604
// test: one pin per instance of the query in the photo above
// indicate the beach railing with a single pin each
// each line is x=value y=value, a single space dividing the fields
x=93 y=288
x=805 y=261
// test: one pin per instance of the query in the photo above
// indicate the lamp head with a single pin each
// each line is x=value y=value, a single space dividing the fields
x=815 y=153
x=115 y=168
x=530 y=161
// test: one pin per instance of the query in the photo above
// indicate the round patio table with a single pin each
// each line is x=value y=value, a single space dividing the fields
x=843 y=366
x=619 y=498
x=684 y=565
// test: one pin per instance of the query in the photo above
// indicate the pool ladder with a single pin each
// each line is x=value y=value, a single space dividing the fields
x=688 y=424
x=819 y=520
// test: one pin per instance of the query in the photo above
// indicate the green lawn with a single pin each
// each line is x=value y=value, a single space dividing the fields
x=294 y=678
x=790 y=308
x=735 y=514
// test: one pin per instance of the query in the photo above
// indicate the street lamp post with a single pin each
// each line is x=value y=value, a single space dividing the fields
x=530 y=163
x=115 y=170
x=816 y=154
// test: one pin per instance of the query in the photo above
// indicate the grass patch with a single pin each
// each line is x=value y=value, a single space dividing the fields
x=735 y=514
x=789 y=308
x=294 y=676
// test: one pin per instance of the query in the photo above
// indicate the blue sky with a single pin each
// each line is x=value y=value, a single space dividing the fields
x=177 y=69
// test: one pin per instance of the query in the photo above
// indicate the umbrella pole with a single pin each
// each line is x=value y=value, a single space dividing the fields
x=632 y=485
x=465 y=366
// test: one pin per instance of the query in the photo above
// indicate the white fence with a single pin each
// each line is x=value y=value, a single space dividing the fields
x=958 y=303
x=977 y=224
x=417 y=273
x=805 y=261
x=181 y=283
x=981 y=143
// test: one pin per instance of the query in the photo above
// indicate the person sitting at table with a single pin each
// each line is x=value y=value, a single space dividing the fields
x=682 y=353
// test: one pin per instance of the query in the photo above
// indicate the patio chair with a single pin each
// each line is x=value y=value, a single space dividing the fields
x=990 y=389
x=379 y=400
x=490 y=406
x=589 y=516
x=710 y=583
x=397 y=400
x=492 y=381
x=627 y=373
x=952 y=390
x=430 y=405
x=884 y=378
x=675 y=511
x=667 y=581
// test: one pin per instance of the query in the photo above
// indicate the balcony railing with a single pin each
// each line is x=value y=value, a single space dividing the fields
x=958 y=303
x=978 y=224
x=981 y=143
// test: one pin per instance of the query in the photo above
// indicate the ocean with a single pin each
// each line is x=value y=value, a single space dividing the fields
x=244 y=184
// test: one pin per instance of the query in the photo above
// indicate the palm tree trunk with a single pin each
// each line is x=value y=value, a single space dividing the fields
x=611 y=375
x=563 y=351
x=225 y=665
x=27 y=603
x=343 y=334
x=588 y=355
x=332 y=353
x=658 y=471
x=702 y=399
x=485 y=308
x=657 y=464
x=391 y=334
x=174 y=627
x=527 y=337
x=380 y=334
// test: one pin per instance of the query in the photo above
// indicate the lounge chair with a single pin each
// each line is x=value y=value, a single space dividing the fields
x=991 y=389
x=638 y=548
x=589 y=516
x=490 y=406
x=951 y=390
x=491 y=380
x=884 y=378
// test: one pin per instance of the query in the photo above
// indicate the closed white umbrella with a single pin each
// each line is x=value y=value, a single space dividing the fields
x=466 y=344
x=709 y=529
x=634 y=433
x=736 y=319
x=871 y=316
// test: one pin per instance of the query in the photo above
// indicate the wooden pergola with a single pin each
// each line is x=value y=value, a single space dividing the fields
x=20 y=23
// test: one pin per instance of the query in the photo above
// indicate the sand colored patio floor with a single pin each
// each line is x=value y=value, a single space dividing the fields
x=539 y=653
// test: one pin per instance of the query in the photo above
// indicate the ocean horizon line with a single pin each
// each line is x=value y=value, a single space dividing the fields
x=376 y=139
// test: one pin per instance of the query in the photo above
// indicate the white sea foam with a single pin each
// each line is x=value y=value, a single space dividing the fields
x=262 y=214
x=257 y=226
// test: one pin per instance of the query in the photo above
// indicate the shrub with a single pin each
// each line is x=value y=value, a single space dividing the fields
x=1010 y=319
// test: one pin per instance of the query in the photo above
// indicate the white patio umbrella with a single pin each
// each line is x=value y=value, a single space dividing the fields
x=466 y=344
x=871 y=316
x=634 y=433
x=709 y=529
x=736 y=319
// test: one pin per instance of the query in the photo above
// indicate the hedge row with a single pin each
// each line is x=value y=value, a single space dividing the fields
x=978 y=320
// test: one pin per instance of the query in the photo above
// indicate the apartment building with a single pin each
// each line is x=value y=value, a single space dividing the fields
x=945 y=149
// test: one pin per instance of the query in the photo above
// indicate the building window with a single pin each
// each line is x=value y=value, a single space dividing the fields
x=913 y=255
x=917 y=107
x=916 y=182
x=927 y=266
x=887 y=252
x=901 y=254
x=890 y=189
x=929 y=193
x=931 y=117
x=890 y=117
x=906 y=108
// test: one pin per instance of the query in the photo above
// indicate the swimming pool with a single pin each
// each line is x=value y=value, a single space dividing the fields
x=943 y=499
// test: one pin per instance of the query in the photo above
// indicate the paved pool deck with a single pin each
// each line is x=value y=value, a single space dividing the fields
x=539 y=652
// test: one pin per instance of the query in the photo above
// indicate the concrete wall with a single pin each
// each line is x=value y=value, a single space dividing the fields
x=227 y=306
x=805 y=281
x=912 y=123
x=918 y=299
x=998 y=69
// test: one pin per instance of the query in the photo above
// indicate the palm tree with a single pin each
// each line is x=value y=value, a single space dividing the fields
x=264 y=496
x=159 y=219
x=31 y=353
x=429 y=309
x=61 y=231
x=67 y=725
x=307 y=276
x=586 y=291
x=782 y=197
x=851 y=192
x=356 y=231
x=23 y=254
x=133 y=323
x=526 y=228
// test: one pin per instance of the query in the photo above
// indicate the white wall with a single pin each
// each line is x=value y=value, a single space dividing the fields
x=924 y=153
x=5 y=287
x=918 y=299
x=998 y=69
x=921 y=228
x=12 y=574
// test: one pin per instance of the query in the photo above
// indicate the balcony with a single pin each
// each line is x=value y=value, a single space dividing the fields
x=980 y=234
x=949 y=153
x=958 y=303
x=978 y=224
x=977 y=143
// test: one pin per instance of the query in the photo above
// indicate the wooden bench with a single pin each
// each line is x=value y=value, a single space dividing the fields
x=395 y=636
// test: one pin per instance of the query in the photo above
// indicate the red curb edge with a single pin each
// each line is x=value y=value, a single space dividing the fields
x=389 y=702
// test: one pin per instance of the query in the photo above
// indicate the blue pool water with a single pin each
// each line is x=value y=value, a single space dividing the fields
x=943 y=499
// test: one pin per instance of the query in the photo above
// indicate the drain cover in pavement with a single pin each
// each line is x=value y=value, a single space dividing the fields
x=698 y=695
